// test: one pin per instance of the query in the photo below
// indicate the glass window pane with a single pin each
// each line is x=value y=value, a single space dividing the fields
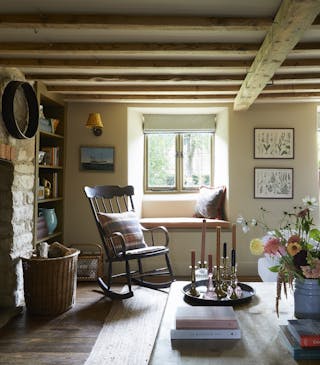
x=161 y=161
x=196 y=159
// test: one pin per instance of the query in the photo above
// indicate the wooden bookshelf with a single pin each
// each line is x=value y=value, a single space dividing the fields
x=51 y=170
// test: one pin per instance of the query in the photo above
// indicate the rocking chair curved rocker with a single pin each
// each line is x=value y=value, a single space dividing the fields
x=123 y=239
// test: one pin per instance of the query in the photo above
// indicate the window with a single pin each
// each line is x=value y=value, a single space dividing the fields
x=178 y=161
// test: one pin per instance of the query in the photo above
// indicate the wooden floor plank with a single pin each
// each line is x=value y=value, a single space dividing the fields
x=66 y=339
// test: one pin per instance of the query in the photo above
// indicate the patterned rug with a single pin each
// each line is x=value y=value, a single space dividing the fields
x=130 y=329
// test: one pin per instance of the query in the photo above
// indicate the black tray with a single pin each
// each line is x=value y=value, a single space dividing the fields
x=247 y=293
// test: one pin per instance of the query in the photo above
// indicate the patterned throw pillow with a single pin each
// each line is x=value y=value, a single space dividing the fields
x=210 y=202
x=126 y=223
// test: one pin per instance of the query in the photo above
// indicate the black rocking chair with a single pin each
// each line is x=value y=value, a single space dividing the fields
x=122 y=237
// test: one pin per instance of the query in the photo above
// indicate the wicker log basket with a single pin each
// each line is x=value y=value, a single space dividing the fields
x=50 y=283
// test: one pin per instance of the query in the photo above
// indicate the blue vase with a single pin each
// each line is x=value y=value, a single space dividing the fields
x=307 y=299
x=51 y=219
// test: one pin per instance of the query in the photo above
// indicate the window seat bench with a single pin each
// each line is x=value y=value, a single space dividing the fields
x=183 y=223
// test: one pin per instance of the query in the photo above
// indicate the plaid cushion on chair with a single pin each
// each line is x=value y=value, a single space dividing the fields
x=125 y=223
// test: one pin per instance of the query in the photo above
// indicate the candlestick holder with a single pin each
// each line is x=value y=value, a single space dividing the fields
x=193 y=288
x=210 y=293
x=201 y=272
x=218 y=285
x=225 y=274
x=234 y=291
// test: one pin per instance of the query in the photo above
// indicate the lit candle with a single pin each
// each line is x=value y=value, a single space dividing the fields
x=218 y=246
x=234 y=236
x=210 y=263
x=233 y=257
x=193 y=258
x=225 y=250
x=203 y=241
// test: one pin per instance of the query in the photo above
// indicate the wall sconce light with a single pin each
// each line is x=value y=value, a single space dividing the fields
x=95 y=123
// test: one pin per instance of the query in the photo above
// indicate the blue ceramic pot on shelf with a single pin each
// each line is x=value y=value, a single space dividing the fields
x=51 y=219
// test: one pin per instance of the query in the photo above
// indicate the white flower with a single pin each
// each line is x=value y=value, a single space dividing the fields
x=310 y=202
x=240 y=220
x=245 y=228
x=254 y=222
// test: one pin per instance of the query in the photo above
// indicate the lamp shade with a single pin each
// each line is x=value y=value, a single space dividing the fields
x=94 y=121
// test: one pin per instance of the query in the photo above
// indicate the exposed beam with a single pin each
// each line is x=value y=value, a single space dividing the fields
x=253 y=79
x=148 y=97
x=108 y=22
x=157 y=89
x=100 y=77
x=136 y=49
x=124 y=64
x=291 y=21
x=172 y=89
x=129 y=49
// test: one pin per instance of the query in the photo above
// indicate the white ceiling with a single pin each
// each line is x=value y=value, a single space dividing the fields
x=179 y=50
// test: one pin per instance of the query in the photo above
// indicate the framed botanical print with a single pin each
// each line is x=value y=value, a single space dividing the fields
x=273 y=183
x=276 y=143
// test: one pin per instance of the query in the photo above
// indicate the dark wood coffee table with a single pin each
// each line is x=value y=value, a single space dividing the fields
x=260 y=343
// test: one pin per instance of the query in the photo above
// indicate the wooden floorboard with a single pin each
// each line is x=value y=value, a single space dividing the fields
x=63 y=340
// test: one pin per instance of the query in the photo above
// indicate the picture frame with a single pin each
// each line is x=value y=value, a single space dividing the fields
x=273 y=183
x=274 y=143
x=97 y=158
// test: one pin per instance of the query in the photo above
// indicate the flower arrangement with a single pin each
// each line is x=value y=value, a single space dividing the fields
x=295 y=244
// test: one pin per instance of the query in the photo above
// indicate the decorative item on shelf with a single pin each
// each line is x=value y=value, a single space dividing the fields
x=41 y=155
x=47 y=188
x=296 y=247
x=40 y=192
x=94 y=122
x=54 y=124
x=51 y=219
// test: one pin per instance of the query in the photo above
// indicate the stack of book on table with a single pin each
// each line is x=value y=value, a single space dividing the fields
x=302 y=338
x=206 y=322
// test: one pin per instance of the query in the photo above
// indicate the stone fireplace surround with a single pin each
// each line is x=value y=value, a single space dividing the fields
x=16 y=206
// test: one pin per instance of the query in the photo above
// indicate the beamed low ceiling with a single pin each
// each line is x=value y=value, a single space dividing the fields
x=237 y=51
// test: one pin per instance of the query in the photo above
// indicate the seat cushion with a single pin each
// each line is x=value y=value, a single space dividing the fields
x=127 y=224
x=210 y=202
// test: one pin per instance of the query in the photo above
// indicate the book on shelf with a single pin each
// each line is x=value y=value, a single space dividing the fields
x=297 y=352
x=206 y=334
x=206 y=317
x=55 y=185
x=305 y=331
x=52 y=155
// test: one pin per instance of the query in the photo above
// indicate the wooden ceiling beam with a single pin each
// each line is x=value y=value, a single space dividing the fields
x=111 y=21
x=148 y=97
x=131 y=49
x=92 y=63
x=156 y=89
x=100 y=77
x=293 y=18
x=142 y=89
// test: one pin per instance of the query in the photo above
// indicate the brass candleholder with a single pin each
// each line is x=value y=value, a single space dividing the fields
x=234 y=290
x=218 y=287
x=193 y=289
x=225 y=277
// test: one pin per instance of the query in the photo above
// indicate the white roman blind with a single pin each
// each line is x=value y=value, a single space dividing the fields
x=178 y=123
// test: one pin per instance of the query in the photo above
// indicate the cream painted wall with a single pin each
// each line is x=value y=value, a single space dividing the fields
x=79 y=225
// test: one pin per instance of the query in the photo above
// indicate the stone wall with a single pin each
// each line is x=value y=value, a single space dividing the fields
x=16 y=203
